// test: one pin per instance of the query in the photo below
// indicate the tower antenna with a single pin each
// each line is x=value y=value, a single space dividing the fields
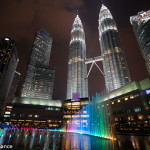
x=102 y=2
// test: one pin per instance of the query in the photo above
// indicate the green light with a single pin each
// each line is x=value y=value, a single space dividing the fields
x=1 y=132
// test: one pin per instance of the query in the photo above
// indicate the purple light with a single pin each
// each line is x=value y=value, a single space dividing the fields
x=75 y=96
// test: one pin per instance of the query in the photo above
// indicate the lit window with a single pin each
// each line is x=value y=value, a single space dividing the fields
x=119 y=101
x=140 y=117
x=57 y=109
x=36 y=116
x=9 y=106
x=7 y=112
x=136 y=95
x=49 y=108
x=67 y=116
x=6 y=116
x=130 y=118
x=7 y=39
x=22 y=115
x=137 y=109
x=112 y=102
x=131 y=97
x=116 y=119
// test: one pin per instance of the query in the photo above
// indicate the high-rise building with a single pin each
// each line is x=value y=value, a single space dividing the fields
x=77 y=83
x=39 y=79
x=13 y=87
x=8 y=63
x=141 y=27
x=114 y=63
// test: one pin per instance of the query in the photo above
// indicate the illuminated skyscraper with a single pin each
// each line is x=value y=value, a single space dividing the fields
x=141 y=27
x=77 y=72
x=13 y=87
x=39 y=79
x=8 y=64
x=114 y=63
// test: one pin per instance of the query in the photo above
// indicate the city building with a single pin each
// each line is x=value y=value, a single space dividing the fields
x=34 y=113
x=13 y=87
x=114 y=63
x=141 y=25
x=129 y=107
x=39 y=78
x=8 y=63
x=74 y=112
x=77 y=83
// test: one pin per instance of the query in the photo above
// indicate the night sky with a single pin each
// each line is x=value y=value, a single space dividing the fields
x=21 y=18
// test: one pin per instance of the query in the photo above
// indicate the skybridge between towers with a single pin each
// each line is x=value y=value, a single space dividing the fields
x=93 y=61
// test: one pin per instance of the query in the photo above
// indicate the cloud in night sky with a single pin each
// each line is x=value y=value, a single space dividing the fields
x=21 y=18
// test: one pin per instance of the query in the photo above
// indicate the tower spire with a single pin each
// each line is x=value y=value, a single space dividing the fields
x=102 y=2
x=77 y=12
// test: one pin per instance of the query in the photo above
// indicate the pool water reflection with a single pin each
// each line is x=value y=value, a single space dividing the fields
x=50 y=140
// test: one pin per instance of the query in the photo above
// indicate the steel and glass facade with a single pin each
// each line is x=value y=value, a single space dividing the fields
x=114 y=63
x=77 y=71
x=39 y=79
x=13 y=87
x=141 y=27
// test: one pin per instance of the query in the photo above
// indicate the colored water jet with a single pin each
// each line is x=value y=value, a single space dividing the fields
x=94 y=119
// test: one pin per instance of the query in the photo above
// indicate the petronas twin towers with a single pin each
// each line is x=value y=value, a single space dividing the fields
x=115 y=68
x=77 y=71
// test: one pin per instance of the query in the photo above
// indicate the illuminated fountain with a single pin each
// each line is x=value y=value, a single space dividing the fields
x=7 y=126
x=94 y=119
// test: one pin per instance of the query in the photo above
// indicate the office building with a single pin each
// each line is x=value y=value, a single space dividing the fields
x=129 y=107
x=77 y=83
x=116 y=72
x=74 y=112
x=141 y=26
x=13 y=87
x=34 y=113
x=39 y=78
x=8 y=63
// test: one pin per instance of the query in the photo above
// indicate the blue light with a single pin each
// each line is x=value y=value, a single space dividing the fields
x=17 y=138
x=25 y=138
x=9 y=138
x=147 y=91
x=40 y=139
